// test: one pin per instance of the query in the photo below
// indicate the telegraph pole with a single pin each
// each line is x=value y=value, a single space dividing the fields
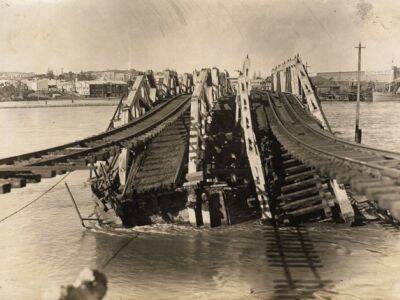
x=358 y=131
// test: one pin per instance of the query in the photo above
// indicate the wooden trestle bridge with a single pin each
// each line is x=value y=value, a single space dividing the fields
x=208 y=149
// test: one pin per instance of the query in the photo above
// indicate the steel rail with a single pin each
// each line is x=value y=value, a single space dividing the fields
x=99 y=137
x=340 y=140
x=118 y=142
x=389 y=172
x=324 y=133
x=36 y=154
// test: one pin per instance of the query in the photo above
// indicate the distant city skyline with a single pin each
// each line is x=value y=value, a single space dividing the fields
x=184 y=35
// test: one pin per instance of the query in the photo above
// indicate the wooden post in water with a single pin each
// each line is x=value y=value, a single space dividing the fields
x=358 y=131
x=77 y=209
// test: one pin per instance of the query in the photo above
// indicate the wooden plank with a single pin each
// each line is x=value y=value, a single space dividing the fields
x=307 y=210
x=300 y=184
x=305 y=192
x=29 y=178
x=346 y=210
x=132 y=173
x=45 y=173
x=305 y=201
x=17 y=182
x=5 y=186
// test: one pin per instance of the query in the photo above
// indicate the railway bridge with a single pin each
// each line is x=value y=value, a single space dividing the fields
x=208 y=149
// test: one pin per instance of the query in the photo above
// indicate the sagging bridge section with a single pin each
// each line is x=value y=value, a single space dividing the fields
x=209 y=150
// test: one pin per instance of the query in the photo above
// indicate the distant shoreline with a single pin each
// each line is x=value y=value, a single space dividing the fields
x=59 y=103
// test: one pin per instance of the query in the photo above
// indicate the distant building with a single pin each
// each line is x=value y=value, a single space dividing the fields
x=37 y=84
x=329 y=89
x=114 y=75
x=16 y=75
x=122 y=76
x=268 y=83
x=65 y=86
x=342 y=76
x=82 y=87
x=100 y=89
x=396 y=73
x=4 y=82
x=257 y=83
x=379 y=76
x=52 y=85
x=351 y=76
x=106 y=75
x=261 y=83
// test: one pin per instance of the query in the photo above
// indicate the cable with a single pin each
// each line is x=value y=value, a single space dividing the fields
x=34 y=200
x=118 y=251
x=40 y=196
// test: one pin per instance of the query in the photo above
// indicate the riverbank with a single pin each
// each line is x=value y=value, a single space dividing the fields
x=60 y=103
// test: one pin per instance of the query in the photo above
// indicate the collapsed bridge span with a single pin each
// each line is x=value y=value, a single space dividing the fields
x=211 y=151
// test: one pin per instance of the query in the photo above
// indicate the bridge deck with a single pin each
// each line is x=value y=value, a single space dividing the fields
x=163 y=161
x=372 y=172
x=76 y=155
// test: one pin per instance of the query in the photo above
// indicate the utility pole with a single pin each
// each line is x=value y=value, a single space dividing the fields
x=358 y=131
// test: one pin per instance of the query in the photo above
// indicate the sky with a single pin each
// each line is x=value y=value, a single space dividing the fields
x=187 y=34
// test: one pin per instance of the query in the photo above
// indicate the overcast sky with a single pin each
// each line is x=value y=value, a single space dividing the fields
x=155 y=34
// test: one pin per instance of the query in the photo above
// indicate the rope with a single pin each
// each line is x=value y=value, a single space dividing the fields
x=48 y=190
x=34 y=200
x=118 y=251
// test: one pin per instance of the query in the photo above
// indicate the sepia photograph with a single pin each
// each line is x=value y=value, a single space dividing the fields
x=199 y=149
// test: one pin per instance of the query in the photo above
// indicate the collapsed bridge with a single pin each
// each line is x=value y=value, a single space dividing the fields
x=210 y=150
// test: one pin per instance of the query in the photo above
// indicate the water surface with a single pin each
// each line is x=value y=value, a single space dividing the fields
x=44 y=246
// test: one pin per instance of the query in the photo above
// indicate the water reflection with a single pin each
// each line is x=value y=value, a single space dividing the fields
x=291 y=251
x=187 y=263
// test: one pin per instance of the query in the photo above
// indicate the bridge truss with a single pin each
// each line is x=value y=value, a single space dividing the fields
x=194 y=149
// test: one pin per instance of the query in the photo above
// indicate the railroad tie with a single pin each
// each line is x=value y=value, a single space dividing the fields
x=5 y=186
x=302 y=192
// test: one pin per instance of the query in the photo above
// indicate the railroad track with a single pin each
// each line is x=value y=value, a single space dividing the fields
x=77 y=155
x=369 y=171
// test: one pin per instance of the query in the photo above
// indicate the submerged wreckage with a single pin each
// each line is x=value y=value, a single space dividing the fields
x=207 y=149
x=214 y=151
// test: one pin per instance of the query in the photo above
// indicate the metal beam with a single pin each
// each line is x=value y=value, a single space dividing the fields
x=252 y=151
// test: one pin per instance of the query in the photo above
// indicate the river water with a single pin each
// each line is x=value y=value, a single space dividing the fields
x=44 y=246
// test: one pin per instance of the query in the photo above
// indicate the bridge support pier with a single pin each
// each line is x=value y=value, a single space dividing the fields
x=192 y=215
x=205 y=209
x=217 y=208
x=193 y=205
x=201 y=105
x=203 y=202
